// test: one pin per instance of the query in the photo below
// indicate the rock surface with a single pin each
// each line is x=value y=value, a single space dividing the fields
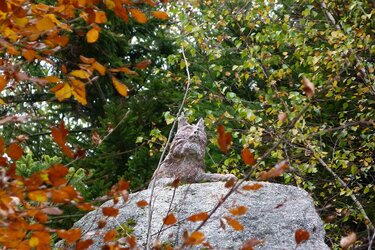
x=274 y=213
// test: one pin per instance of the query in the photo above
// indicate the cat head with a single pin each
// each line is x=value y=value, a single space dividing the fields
x=191 y=132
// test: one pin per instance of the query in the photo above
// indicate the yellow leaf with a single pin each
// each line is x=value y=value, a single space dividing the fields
x=79 y=91
x=21 y=22
x=100 y=68
x=138 y=15
x=100 y=17
x=80 y=74
x=110 y=4
x=120 y=87
x=92 y=36
x=64 y=92
x=2 y=102
x=160 y=15
x=87 y=60
x=33 y=242
x=3 y=82
x=45 y=24
x=52 y=79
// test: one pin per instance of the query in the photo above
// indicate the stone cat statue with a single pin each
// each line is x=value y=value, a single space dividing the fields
x=185 y=159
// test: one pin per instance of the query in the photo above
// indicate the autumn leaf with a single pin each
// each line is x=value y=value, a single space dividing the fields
x=229 y=183
x=99 y=67
x=52 y=211
x=100 y=17
x=142 y=203
x=92 y=35
x=59 y=136
x=37 y=195
x=51 y=79
x=2 y=147
x=62 y=91
x=254 y=187
x=120 y=87
x=110 y=211
x=110 y=235
x=138 y=15
x=194 y=238
x=14 y=151
x=143 y=64
x=301 y=235
x=78 y=90
x=160 y=15
x=308 y=87
x=170 y=219
x=198 y=217
x=85 y=206
x=237 y=211
x=80 y=74
x=84 y=244
x=3 y=82
x=87 y=60
x=71 y=235
x=234 y=224
x=282 y=116
x=278 y=170
x=250 y=244
x=45 y=24
x=247 y=156
x=224 y=139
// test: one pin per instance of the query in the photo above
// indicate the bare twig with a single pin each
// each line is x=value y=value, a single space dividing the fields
x=151 y=202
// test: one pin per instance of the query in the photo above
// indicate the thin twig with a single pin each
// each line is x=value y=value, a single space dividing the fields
x=151 y=203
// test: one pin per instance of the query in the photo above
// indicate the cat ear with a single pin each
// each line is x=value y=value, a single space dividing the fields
x=182 y=122
x=200 y=123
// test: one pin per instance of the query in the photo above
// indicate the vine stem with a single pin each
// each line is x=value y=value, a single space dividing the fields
x=151 y=201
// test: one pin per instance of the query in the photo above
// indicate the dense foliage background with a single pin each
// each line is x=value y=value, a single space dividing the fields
x=248 y=61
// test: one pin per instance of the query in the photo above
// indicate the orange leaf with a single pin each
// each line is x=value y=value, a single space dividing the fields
x=87 y=60
x=254 y=187
x=102 y=223
x=59 y=196
x=92 y=35
x=237 y=211
x=224 y=139
x=247 y=156
x=301 y=235
x=56 y=174
x=131 y=240
x=100 y=17
x=52 y=211
x=45 y=24
x=308 y=87
x=229 y=183
x=120 y=87
x=160 y=15
x=84 y=244
x=195 y=238
x=59 y=136
x=250 y=244
x=99 y=67
x=29 y=54
x=3 y=82
x=109 y=236
x=71 y=235
x=128 y=71
x=234 y=224
x=14 y=151
x=138 y=15
x=142 y=203
x=170 y=219
x=37 y=195
x=51 y=79
x=110 y=211
x=3 y=6
x=85 y=206
x=278 y=170
x=143 y=64
x=198 y=217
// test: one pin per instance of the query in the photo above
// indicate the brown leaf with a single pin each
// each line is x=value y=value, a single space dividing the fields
x=348 y=240
x=282 y=116
x=131 y=240
x=170 y=219
x=2 y=147
x=198 y=217
x=250 y=244
x=84 y=244
x=142 y=203
x=59 y=136
x=71 y=235
x=247 y=156
x=110 y=236
x=143 y=64
x=237 y=211
x=224 y=139
x=234 y=224
x=110 y=211
x=229 y=183
x=176 y=183
x=308 y=87
x=278 y=170
x=102 y=223
x=301 y=235
x=254 y=187
x=14 y=151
